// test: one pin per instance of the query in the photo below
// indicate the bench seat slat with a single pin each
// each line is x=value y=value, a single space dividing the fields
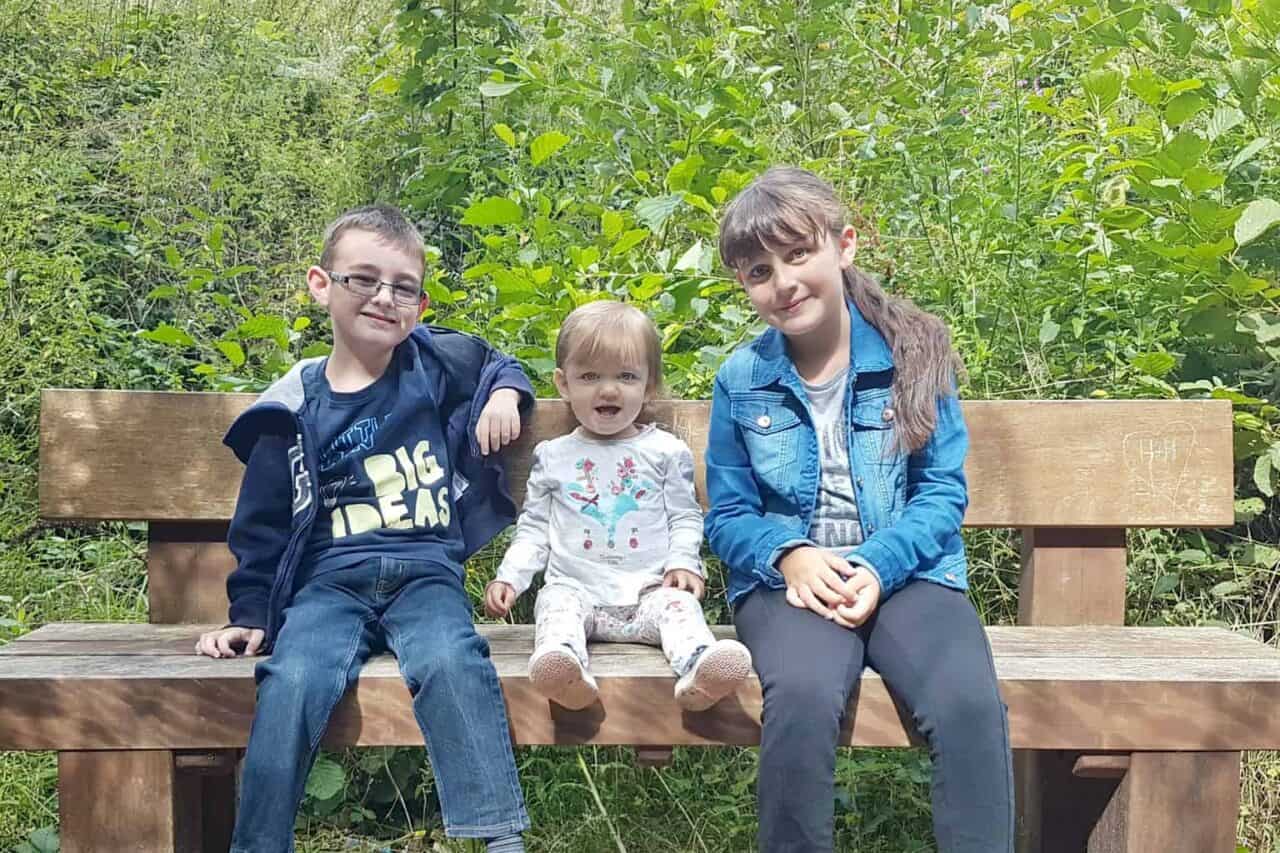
x=1171 y=692
x=1092 y=643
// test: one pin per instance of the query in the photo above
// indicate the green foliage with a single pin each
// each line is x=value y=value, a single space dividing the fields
x=1085 y=191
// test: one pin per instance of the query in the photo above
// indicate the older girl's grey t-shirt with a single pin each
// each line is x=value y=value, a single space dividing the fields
x=835 y=522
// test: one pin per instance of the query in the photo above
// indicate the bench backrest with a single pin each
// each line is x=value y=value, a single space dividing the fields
x=1072 y=474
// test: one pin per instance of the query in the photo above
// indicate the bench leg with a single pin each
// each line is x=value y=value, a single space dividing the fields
x=1056 y=809
x=1174 y=802
x=120 y=800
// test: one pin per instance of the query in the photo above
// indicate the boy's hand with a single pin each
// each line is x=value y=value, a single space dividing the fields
x=816 y=580
x=224 y=642
x=866 y=590
x=499 y=423
x=499 y=598
x=686 y=580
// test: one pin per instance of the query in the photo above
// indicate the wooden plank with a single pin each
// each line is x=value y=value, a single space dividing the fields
x=1101 y=766
x=1032 y=463
x=1072 y=576
x=118 y=801
x=187 y=568
x=1102 y=642
x=1174 y=803
x=1054 y=703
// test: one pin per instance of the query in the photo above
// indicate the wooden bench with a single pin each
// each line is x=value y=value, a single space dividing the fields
x=1127 y=739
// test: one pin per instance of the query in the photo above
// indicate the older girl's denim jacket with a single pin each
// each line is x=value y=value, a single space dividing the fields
x=763 y=470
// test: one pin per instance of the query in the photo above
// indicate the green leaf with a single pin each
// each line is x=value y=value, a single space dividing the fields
x=1260 y=215
x=45 y=840
x=1262 y=475
x=1224 y=118
x=172 y=258
x=1198 y=179
x=238 y=270
x=1104 y=86
x=233 y=352
x=1228 y=588
x=301 y=323
x=1166 y=584
x=326 y=780
x=611 y=223
x=1248 y=152
x=1048 y=329
x=545 y=145
x=164 y=291
x=691 y=259
x=682 y=173
x=506 y=134
x=628 y=241
x=1184 y=107
x=1188 y=85
x=1147 y=86
x=496 y=89
x=653 y=212
x=167 y=334
x=215 y=239
x=1154 y=363
x=1247 y=509
x=494 y=210
x=265 y=327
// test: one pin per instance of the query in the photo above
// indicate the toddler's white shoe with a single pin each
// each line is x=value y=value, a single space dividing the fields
x=714 y=675
x=557 y=674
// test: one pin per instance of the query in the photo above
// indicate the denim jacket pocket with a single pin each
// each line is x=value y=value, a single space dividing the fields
x=772 y=432
x=875 y=443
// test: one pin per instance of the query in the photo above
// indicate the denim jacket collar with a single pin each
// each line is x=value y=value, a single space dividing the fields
x=868 y=352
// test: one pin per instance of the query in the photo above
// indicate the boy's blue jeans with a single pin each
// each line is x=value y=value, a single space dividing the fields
x=420 y=612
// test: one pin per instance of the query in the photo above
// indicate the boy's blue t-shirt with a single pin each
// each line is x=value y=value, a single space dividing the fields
x=386 y=486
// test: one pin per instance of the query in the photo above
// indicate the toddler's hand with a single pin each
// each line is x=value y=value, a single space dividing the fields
x=222 y=643
x=499 y=598
x=499 y=423
x=686 y=580
x=816 y=580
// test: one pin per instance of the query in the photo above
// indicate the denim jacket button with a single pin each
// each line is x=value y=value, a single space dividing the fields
x=763 y=421
x=887 y=414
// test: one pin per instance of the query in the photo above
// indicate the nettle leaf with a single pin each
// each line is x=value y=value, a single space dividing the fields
x=167 y=334
x=494 y=210
x=1260 y=215
x=326 y=780
x=497 y=88
x=1154 y=363
x=264 y=327
x=653 y=212
x=546 y=145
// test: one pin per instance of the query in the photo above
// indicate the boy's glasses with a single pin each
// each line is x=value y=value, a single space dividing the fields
x=367 y=287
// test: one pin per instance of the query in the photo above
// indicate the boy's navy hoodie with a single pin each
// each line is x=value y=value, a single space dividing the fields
x=276 y=441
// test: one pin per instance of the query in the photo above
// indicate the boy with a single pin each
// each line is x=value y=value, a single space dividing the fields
x=369 y=481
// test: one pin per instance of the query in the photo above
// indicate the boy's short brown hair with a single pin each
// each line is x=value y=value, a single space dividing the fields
x=384 y=221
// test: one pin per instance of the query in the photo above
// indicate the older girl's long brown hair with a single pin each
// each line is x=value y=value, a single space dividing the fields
x=788 y=205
